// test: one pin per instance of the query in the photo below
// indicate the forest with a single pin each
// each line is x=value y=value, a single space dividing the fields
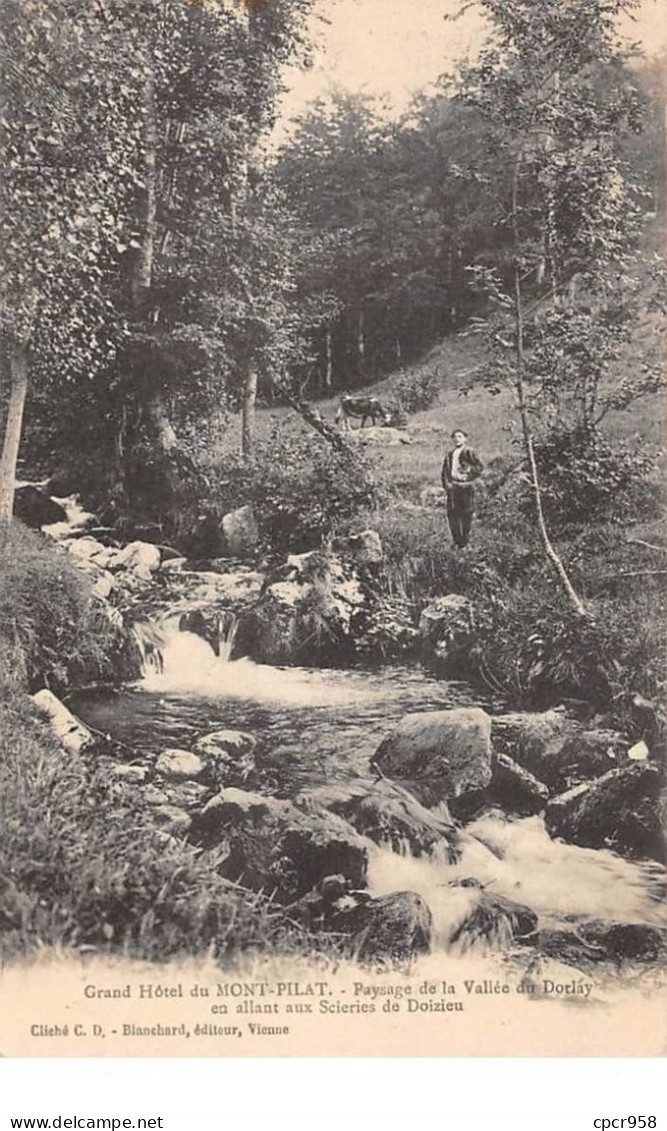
x=188 y=291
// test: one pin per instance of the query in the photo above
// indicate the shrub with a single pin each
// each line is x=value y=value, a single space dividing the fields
x=584 y=477
x=417 y=391
x=300 y=488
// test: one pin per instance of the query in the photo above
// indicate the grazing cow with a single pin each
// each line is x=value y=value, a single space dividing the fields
x=368 y=408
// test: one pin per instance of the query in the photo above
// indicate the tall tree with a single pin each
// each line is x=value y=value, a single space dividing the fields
x=570 y=212
x=67 y=139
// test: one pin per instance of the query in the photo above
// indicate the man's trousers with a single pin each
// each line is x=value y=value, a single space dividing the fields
x=460 y=509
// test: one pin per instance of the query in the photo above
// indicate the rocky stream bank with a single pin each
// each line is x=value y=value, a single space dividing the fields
x=486 y=814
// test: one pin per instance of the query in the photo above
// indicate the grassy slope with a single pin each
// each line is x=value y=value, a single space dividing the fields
x=489 y=420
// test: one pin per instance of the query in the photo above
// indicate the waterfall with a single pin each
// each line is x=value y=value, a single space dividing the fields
x=185 y=644
x=519 y=860
x=177 y=660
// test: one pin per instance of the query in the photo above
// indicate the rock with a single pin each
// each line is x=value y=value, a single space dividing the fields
x=89 y=554
x=531 y=738
x=639 y=752
x=516 y=790
x=274 y=847
x=172 y=820
x=433 y=497
x=187 y=795
x=557 y=749
x=398 y=927
x=72 y=734
x=133 y=775
x=438 y=754
x=585 y=755
x=620 y=811
x=493 y=922
x=388 y=437
x=140 y=558
x=446 y=627
x=586 y=944
x=366 y=547
x=229 y=755
x=241 y=532
x=173 y=565
x=387 y=815
x=151 y=795
x=103 y=586
x=35 y=508
x=179 y=765
x=306 y=612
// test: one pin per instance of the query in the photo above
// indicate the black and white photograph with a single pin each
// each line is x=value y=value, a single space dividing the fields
x=333 y=540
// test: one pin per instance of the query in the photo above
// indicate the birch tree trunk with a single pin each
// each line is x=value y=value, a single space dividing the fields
x=142 y=276
x=18 y=373
x=328 y=372
x=550 y=552
x=249 y=403
x=361 y=339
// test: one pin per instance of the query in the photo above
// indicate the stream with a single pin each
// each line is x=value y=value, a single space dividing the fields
x=322 y=726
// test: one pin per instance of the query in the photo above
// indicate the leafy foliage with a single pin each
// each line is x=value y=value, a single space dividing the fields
x=300 y=488
x=584 y=477
x=51 y=634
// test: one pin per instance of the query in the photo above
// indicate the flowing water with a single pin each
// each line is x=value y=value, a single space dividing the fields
x=313 y=726
x=318 y=726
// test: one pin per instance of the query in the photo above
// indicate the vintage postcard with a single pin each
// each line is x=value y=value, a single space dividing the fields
x=333 y=571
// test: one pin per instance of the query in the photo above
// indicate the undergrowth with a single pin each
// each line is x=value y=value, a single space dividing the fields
x=51 y=633
x=82 y=866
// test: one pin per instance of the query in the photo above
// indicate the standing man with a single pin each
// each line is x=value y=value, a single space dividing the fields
x=460 y=469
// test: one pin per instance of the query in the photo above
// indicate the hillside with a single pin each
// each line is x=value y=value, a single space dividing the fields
x=489 y=420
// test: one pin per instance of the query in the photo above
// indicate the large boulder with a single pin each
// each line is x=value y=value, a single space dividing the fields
x=390 y=928
x=557 y=749
x=620 y=811
x=273 y=846
x=142 y=559
x=241 y=532
x=365 y=548
x=438 y=754
x=306 y=613
x=493 y=922
x=36 y=508
x=388 y=815
x=515 y=789
x=587 y=943
x=91 y=555
x=397 y=928
x=445 y=628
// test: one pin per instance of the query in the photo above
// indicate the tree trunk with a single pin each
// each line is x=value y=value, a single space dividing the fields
x=316 y=421
x=328 y=373
x=167 y=438
x=361 y=340
x=142 y=275
x=249 y=403
x=552 y=556
x=18 y=372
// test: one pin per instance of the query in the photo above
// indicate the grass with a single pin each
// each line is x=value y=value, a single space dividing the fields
x=51 y=634
x=83 y=866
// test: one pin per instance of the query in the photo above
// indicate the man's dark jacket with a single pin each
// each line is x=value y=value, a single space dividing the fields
x=469 y=464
